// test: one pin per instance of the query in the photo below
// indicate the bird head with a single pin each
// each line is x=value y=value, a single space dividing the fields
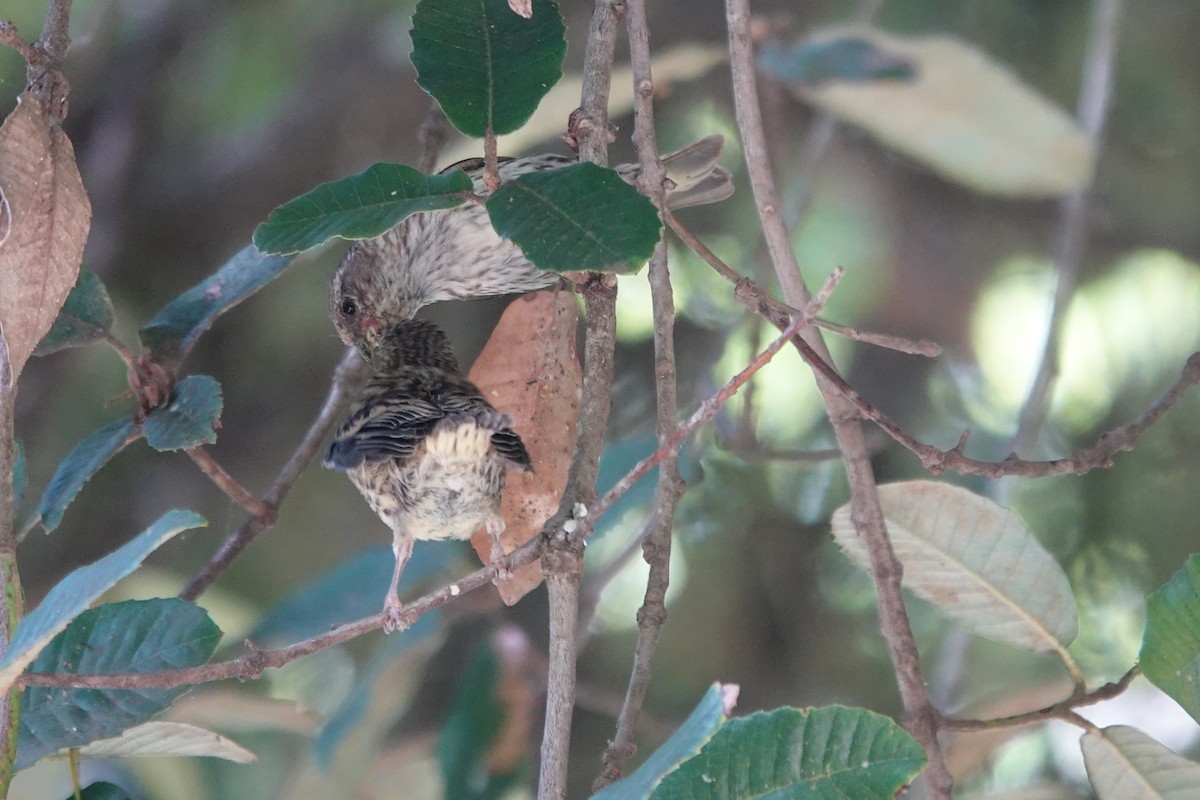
x=364 y=300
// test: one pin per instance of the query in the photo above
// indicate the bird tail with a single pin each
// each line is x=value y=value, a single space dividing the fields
x=459 y=440
x=697 y=176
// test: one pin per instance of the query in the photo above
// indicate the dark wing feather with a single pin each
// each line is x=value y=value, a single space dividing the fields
x=390 y=426
x=508 y=444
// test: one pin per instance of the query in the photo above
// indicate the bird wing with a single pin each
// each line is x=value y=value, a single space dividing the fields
x=390 y=426
x=466 y=401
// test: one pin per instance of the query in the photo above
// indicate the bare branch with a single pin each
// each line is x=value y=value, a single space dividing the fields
x=348 y=375
x=252 y=665
x=656 y=546
x=1094 y=97
x=235 y=491
x=921 y=717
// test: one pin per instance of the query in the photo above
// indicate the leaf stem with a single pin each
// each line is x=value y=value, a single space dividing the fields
x=263 y=513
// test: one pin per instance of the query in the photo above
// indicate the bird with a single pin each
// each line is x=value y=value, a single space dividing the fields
x=455 y=254
x=425 y=449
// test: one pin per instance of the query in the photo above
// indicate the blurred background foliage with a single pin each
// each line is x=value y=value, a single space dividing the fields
x=192 y=120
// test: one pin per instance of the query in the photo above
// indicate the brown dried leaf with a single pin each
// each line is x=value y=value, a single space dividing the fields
x=44 y=224
x=529 y=370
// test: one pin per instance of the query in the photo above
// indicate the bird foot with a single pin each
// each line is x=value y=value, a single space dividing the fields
x=495 y=527
x=395 y=616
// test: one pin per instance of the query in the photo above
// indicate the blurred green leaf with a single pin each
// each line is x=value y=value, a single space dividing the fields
x=815 y=753
x=581 y=217
x=476 y=718
x=168 y=739
x=975 y=561
x=84 y=461
x=1170 y=655
x=1125 y=764
x=85 y=315
x=174 y=330
x=71 y=596
x=101 y=790
x=709 y=715
x=485 y=65
x=129 y=637
x=966 y=117
x=351 y=590
x=190 y=418
x=358 y=207
x=348 y=718
x=847 y=58
x=19 y=480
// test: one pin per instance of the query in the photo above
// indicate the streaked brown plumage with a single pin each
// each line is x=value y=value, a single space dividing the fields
x=455 y=254
x=424 y=448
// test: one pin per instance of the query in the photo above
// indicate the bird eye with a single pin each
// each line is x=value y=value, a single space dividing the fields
x=349 y=308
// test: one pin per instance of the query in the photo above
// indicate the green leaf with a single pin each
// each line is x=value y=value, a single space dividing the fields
x=485 y=65
x=191 y=417
x=476 y=718
x=85 y=315
x=846 y=58
x=830 y=752
x=73 y=594
x=352 y=590
x=130 y=637
x=84 y=461
x=581 y=217
x=1170 y=655
x=975 y=561
x=1125 y=764
x=966 y=117
x=20 y=480
x=687 y=740
x=358 y=207
x=174 y=330
x=101 y=790
x=168 y=739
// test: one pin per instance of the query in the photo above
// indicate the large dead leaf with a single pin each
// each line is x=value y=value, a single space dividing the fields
x=529 y=370
x=44 y=220
x=965 y=116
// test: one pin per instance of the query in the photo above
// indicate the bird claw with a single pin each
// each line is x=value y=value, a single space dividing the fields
x=395 y=616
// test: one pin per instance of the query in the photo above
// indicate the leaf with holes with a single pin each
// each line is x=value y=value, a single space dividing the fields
x=191 y=418
x=485 y=65
x=84 y=317
x=130 y=637
x=74 y=593
x=173 y=331
x=705 y=720
x=358 y=207
x=1170 y=655
x=1125 y=764
x=844 y=58
x=84 y=461
x=45 y=216
x=581 y=217
x=975 y=561
x=819 y=752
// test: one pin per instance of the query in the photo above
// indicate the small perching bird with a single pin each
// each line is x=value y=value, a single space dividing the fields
x=425 y=449
x=455 y=254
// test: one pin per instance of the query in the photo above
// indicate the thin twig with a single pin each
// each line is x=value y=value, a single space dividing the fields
x=252 y=665
x=1094 y=97
x=1059 y=710
x=235 y=491
x=11 y=37
x=921 y=717
x=656 y=547
x=349 y=374
x=750 y=294
x=562 y=558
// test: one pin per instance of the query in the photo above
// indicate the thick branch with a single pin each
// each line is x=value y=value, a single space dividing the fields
x=921 y=716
